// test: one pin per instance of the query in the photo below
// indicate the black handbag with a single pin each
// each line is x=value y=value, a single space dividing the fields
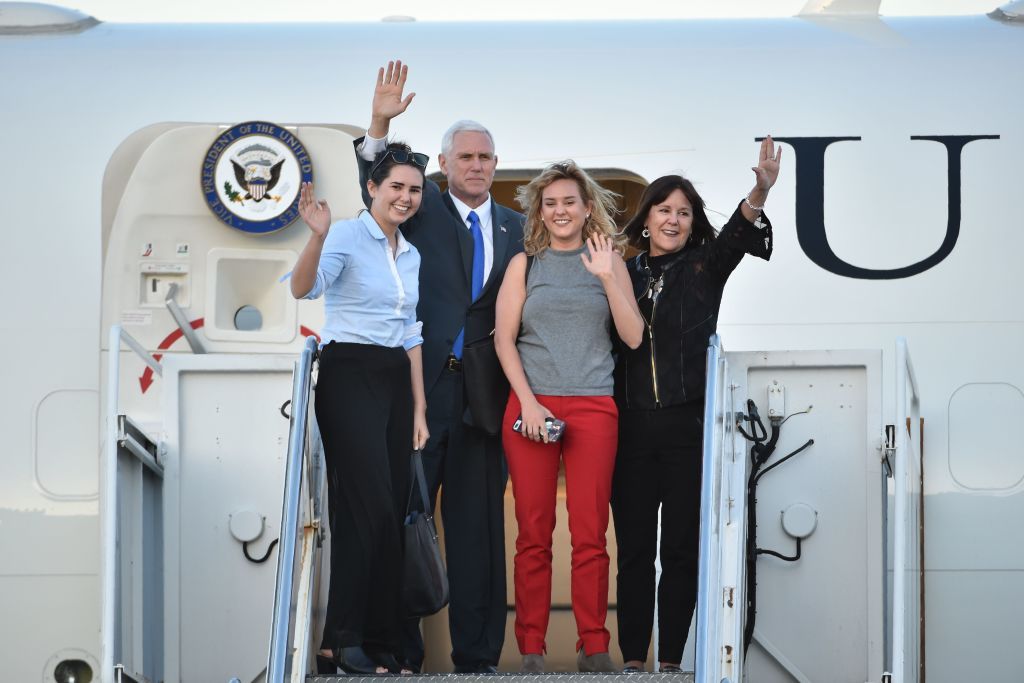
x=485 y=385
x=425 y=583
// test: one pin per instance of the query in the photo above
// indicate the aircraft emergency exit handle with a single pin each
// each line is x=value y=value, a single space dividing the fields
x=179 y=317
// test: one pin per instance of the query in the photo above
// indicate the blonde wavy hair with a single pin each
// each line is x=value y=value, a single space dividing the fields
x=536 y=237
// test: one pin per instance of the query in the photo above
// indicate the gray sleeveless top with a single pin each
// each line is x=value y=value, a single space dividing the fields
x=565 y=338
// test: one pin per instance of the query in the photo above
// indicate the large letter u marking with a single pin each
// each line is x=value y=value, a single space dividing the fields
x=810 y=205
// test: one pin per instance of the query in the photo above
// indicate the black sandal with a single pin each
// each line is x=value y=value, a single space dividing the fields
x=347 y=659
x=384 y=659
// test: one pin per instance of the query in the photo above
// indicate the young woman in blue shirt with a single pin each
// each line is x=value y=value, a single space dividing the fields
x=370 y=403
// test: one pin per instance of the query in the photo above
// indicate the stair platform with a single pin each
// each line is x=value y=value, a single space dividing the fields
x=510 y=677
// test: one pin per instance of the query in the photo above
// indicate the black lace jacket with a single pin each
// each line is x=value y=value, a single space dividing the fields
x=679 y=296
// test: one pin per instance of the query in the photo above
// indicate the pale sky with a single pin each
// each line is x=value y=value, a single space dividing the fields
x=484 y=10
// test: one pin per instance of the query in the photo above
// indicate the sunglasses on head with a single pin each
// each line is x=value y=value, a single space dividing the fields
x=400 y=156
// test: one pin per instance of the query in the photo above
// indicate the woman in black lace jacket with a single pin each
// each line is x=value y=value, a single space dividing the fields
x=678 y=280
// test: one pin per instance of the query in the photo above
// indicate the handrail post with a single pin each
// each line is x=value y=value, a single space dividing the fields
x=702 y=663
x=182 y=320
x=109 y=505
x=109 y=499
x=279 y=640
x=902 y=534
x=899 y=511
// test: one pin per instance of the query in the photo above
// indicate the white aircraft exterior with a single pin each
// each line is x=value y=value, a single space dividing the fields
x=898 y=213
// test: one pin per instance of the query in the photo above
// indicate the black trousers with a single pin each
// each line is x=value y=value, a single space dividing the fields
x=469 y=468
x=658 y=464
x=364 y=409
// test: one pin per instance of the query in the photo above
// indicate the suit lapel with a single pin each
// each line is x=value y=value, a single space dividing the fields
x=464 y=238
x=499 y=232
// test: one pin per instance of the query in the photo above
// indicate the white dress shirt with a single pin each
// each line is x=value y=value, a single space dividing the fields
x=372 y=146
x=370 y=294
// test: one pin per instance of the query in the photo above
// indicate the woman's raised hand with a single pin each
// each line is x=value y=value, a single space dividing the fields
x=387 y=96
x=599 y=259
x=316 y=213
x=767 y=169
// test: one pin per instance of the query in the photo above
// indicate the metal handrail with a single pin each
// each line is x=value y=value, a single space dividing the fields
x=904 y=449
x=182 y=320
x=109 y=500
x=125 y=439
x=298 y=443
x=702 y=662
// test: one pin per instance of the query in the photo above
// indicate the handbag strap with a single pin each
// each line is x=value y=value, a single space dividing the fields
x=421 y=483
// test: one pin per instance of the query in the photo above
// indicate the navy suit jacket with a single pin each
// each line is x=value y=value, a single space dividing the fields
x=446 y=270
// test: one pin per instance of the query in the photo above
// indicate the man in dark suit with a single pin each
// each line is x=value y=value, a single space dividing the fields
x=465 y=240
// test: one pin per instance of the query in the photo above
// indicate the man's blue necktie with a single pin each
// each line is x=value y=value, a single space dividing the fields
x=478 y=272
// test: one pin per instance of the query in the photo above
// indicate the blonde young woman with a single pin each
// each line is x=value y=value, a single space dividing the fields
x=553 y=336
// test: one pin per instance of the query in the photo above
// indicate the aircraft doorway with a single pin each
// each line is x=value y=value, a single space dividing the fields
x=628 y=185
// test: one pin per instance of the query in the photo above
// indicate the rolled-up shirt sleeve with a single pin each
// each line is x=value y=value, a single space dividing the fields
x=332 y=263
x=413 y=334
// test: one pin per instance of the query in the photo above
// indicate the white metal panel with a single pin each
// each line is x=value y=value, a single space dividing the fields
x=834 y=592
x=226 y=445
x=838 y=477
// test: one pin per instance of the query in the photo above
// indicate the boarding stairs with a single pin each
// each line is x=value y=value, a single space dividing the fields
x=141 y=643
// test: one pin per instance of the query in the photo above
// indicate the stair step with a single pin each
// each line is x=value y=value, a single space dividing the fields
x=686 y=677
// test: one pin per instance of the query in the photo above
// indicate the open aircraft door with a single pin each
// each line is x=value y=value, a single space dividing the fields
x=199 y=360
x=806 y=508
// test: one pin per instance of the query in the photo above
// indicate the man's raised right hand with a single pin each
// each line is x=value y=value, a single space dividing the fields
x=387 y=97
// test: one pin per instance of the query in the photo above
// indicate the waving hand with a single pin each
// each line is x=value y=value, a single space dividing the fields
x=767 y=169
x=387 y=96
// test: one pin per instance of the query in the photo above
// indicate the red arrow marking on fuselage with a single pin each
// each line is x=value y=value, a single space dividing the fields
x=146 y=380
x=147 y=375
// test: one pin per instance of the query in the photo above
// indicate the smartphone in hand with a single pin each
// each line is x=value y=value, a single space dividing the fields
x=555 y=427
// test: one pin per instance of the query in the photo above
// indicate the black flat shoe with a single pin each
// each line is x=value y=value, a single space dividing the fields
x=325 y=665
x=353 y=660
x=384 y=659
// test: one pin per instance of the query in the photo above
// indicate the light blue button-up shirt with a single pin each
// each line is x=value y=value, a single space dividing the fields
x=370 y=297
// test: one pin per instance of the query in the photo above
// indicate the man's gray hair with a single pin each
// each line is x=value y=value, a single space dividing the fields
x=463 y=126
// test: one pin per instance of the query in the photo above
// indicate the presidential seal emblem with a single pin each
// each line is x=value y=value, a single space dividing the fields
x=252 y=174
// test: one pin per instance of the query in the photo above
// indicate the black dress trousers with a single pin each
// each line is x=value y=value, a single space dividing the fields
x=364 y=409
x=658 y=465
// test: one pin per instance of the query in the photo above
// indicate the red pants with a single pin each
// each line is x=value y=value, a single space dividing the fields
x=588 y=447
